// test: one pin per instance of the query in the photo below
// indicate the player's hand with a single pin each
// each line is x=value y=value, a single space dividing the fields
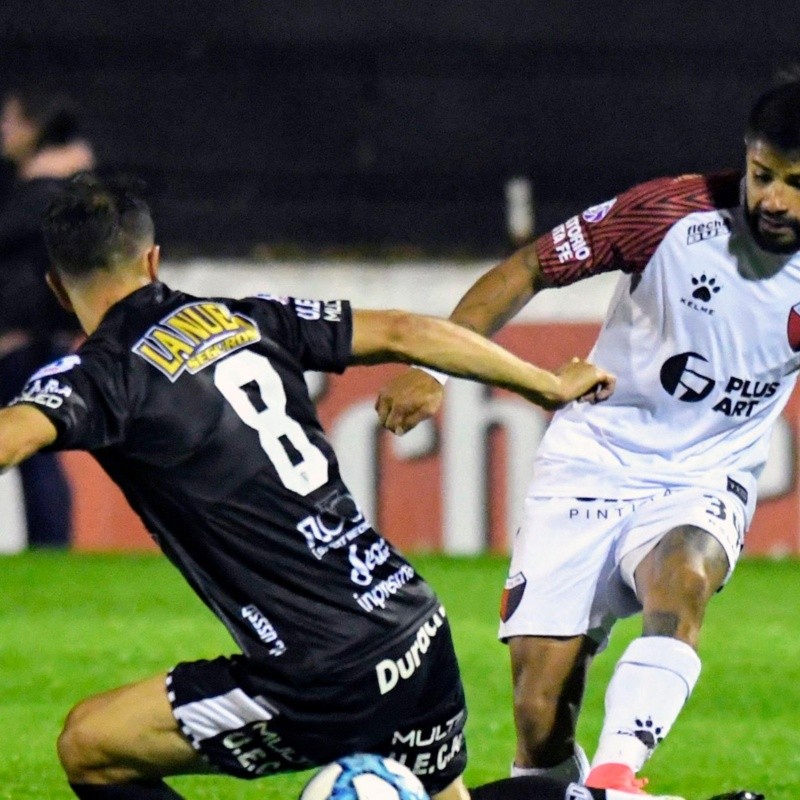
x=584 y=382
x=407 y=400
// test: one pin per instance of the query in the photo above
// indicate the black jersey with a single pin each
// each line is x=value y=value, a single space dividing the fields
x=197 y=408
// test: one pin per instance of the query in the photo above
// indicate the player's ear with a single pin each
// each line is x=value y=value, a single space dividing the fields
x=57 y=287
x=153 y=256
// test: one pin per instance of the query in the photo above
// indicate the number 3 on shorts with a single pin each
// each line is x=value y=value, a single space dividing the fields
x=255 y=391
x=716 y=508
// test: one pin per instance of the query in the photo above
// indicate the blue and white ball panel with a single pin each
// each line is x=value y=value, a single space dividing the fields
x=364 y=777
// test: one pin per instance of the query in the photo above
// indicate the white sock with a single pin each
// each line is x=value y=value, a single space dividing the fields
x=652 y=681
x=575 y=768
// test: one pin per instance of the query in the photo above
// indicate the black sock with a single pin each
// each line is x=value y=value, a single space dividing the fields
x=135 y=790
x=535 y=787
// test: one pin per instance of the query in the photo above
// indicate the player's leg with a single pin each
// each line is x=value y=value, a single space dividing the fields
x=430 y=738
x=548 y=618
x=658 y=671
x=656 y=674
x=119 y=744
x=549 y=677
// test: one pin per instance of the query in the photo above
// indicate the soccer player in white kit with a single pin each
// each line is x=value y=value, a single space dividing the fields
x=641 y=503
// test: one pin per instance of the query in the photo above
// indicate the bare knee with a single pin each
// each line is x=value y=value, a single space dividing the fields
x=80 y=748
x=676 y=581
x=678 y=611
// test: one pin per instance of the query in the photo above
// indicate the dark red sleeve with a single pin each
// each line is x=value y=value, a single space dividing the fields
x=624 y=232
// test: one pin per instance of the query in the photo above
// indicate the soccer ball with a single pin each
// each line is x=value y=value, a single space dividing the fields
x=364 y=777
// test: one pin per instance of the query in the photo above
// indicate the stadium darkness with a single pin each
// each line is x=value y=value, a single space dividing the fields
x=395 y=129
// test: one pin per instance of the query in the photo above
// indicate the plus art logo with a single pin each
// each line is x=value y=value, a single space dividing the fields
x=683 y=376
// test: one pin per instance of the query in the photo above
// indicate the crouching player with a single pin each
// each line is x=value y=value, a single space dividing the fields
x=197 y=409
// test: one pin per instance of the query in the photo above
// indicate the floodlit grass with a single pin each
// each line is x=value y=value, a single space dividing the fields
x=73 y=625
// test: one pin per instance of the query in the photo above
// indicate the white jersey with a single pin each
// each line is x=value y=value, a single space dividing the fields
x=703 y=334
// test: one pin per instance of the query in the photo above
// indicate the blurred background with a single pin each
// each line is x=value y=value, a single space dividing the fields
x=372 y=127
x=389 y=153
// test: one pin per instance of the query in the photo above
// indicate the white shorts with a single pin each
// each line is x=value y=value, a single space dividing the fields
x=574 y=558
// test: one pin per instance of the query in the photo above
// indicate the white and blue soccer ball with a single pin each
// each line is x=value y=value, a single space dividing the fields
x=364 y=777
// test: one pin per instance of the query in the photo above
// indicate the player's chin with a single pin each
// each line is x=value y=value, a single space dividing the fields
x=783 y=241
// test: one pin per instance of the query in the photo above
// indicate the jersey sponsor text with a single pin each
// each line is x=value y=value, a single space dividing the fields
x=742 y=396
x=707 y=230
x=326 y=531
x=377 y=595
x=50 y=393
x=195 y=336
x=329 y=310
x=570 y=243
x=363 y=565
x=265 y=629
x=391 y=671
x=441 y=744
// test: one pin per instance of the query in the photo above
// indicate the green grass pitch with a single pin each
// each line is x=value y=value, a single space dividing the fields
x=73 y=625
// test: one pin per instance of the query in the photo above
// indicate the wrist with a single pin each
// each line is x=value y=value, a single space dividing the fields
x=441 y=377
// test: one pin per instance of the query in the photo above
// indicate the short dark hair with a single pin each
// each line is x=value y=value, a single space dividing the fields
x=94 y=225
x=56 y=115
x=775 y=117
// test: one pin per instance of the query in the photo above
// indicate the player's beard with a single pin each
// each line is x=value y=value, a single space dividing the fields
x=774 y=242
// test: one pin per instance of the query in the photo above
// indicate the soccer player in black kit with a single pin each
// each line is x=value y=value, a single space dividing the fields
x=197 y=408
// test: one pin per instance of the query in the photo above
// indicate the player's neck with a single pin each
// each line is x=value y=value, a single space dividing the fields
x=94 y=299
x=92 y=295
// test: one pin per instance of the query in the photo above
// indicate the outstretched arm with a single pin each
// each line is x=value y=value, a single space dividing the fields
x=24 y=430
x=491 y=301
x=381 y=336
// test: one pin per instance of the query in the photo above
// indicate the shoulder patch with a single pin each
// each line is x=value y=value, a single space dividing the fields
x=64 y=364
x=598 y=213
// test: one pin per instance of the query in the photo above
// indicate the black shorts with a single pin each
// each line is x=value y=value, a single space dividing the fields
x=410 y=706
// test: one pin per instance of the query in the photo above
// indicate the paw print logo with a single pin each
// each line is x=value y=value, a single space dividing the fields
x=705 y=288
x=648 y=733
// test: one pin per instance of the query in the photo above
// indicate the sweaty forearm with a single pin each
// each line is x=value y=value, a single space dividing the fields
x=450 y=348
x=499 y=294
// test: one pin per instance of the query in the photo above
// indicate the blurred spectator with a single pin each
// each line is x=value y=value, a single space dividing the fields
x=39 y=135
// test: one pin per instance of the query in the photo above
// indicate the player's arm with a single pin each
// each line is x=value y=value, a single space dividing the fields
x=380 y=336
x=24 y=430
x=499 y=294
x=491 y=301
